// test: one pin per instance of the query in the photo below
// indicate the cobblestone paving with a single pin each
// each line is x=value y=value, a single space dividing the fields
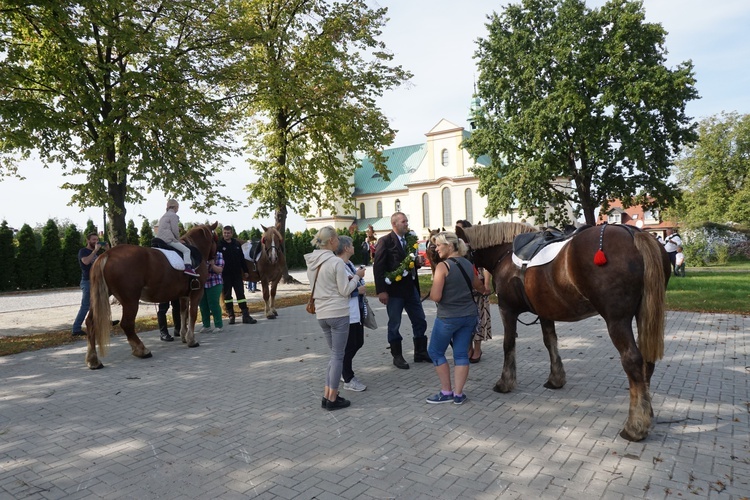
x=240 y=417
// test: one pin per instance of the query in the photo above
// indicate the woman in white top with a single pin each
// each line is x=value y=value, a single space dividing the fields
x=327 y=274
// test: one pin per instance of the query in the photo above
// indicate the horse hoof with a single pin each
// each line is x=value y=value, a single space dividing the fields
x=502 y=388
x=271 y=317
x=627 y=436
x=550 y=385
x=147 y=355
x=98 y=367
x=195 y=344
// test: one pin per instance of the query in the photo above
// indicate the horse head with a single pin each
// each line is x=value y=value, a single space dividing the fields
x=272 y=243
x=204 y=238
x=489 y=242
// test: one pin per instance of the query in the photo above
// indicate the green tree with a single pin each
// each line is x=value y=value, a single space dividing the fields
x=132 y=233
x=318 y=73
x=72 y=243
x=715 y=172
x=584 y=95
x=51 y=258
x=90 y=228
x=28 y=264
x=122 y=93
x=147 y=233
x=7 y=257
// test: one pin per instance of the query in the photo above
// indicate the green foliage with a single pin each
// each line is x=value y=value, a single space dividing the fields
x=28 y=264
x=147 y=234
x=124 y=93
x=569 y=92
x=90 y=228
x=132 y=233
x=53 y=274
x=7 y=257
x=319 y=74
x=72 y=242
x=715 y=172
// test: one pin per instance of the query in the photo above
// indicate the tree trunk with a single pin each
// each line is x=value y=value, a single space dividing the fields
x=116 y=187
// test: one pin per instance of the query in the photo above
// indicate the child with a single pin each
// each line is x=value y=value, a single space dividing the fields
x=679 y=260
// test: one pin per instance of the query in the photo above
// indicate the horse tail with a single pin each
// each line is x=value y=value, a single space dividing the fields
x=650 y=317
x=100 y=305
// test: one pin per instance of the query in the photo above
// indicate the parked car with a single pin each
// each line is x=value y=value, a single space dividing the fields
x=422 y=251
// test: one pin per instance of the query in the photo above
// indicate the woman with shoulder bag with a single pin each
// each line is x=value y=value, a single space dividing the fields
x=332 y=287
x=356 y=337
x=452 y=290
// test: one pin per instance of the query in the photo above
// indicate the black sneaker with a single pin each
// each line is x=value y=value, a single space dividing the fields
x=338 y=404
x=79 y=334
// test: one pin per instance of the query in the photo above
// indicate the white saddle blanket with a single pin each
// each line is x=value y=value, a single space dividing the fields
x=246 y=250
x=545 y=255
x=174 y=258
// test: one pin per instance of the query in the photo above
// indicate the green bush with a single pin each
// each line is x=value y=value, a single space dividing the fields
x=28 y=263
x=7 y=255
x=51 y=258
x=72 y=242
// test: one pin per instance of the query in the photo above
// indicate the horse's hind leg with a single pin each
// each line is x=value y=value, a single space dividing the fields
x=507 y=380
x=92 y=360
x=638 y=424
x=273 y=298
x=556 y=378
x=129 y=312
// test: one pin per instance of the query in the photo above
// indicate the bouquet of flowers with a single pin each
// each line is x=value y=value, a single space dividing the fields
x=407 y=264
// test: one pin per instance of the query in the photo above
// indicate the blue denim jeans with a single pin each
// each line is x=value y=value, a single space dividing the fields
x=460 y=331
x=85 y=306
x=413 y=307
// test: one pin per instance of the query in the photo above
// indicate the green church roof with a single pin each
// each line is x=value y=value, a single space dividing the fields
x=401 y=163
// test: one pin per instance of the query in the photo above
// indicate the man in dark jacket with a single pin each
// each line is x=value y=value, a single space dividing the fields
x=235 y=268
x=400 y=295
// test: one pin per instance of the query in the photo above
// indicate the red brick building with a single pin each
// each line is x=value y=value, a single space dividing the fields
x=635 y=216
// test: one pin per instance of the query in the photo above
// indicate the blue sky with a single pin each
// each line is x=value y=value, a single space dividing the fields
x=435 y=40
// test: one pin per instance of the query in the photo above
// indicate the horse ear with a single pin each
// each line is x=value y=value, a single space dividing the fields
x=264 y=228
x=460 y=233
x=214 y=225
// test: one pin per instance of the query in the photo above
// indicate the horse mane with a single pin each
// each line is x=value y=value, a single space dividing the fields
x=488 y=235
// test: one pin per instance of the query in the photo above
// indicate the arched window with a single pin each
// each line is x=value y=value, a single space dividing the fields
x=398 y=205
x=380 y=209
x=425 y=210
x=447 y=217
x=444 y=157
x=468 y=205
x=362 y=211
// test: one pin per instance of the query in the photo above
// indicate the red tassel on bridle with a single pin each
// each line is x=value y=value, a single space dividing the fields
x=599 y=258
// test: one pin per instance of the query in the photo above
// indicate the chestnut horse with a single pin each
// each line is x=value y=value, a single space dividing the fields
x=632 y=283
x=269 y=267
x=132 y=273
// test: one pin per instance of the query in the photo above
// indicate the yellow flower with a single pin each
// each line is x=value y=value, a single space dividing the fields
x=398 y=278
x=411 y=265
x=416 y=245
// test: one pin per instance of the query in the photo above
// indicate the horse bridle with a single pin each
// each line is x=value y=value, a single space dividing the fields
x=273 y=253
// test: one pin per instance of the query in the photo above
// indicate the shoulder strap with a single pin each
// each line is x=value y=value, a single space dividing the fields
x=466 y=276
x=315 y=282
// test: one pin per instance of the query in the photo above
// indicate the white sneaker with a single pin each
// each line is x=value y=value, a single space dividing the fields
x=354 y=385
x=206 y=329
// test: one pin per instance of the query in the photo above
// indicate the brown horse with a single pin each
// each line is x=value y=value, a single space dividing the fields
x=132 y=273
x=572 y=287
x=269 y=267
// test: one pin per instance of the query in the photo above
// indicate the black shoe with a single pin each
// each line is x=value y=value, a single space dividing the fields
x=231 y=320
x=115 y=322
x=79 y=334
x=338 y=404
x=248 y=320
x=400 y=362
x=166 y=337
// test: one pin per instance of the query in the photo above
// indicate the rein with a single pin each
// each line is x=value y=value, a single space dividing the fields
x=523 y=289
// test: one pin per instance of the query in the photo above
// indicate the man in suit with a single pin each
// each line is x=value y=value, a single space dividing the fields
x=400 y=295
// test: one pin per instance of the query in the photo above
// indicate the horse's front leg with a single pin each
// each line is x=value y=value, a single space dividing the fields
x=187 y=332
x=638 y=424
x=267 y=300
x=507 y=381
x=184 y=308
x=556 y=378
x=273 y=298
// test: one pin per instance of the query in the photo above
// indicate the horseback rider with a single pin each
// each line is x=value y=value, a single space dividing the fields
x=169 y=232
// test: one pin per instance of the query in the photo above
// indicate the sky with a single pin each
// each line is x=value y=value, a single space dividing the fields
x=436 y=41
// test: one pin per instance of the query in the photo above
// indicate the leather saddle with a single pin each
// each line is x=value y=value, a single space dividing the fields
x=527 y=245
x=195 y=254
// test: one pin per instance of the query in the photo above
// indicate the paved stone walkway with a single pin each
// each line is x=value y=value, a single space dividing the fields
x=240 y=417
